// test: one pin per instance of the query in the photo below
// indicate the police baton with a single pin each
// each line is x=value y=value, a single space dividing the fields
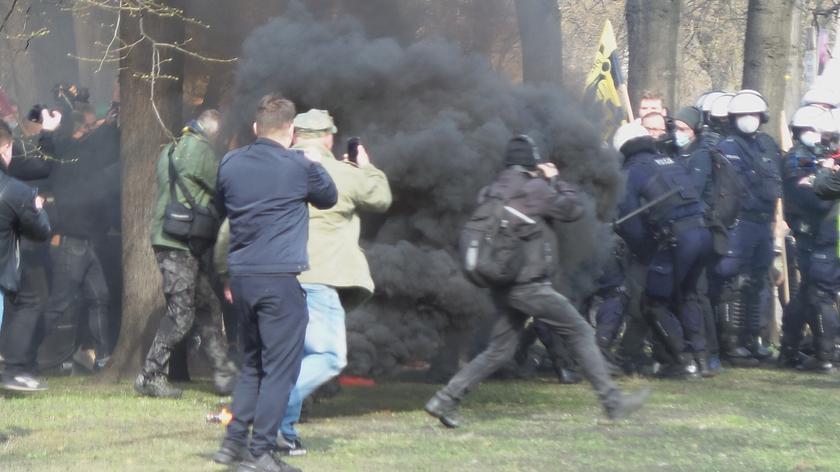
x=647 y=206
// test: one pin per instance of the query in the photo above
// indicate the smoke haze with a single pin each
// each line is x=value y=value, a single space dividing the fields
x=436 y=121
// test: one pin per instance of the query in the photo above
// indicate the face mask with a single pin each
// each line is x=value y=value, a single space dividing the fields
x=682 y=139
x=810 y=138
x=748 y=124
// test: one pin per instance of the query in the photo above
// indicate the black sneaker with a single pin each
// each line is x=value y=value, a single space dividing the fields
x=627 y=404
x=813 y=364
x=444 y=409
x=290 y=447
x=23 y=383
x=155 y=386
x=268 y=462
x=231 y=453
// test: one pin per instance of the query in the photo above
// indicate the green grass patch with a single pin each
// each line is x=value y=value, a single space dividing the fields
x=750 y=420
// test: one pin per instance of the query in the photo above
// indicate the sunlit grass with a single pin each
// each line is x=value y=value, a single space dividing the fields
x=751 y=420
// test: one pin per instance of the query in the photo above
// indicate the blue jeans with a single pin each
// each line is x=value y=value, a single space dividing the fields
x=324 y=350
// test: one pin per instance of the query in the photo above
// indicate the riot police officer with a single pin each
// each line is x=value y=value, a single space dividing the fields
x=672 y=237
x=716 y=119
x=812 y=224
x=744 y=293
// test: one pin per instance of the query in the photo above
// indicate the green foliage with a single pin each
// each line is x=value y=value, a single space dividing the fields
x=742 y=420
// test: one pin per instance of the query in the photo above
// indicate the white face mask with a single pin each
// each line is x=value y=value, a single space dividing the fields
x=810 y=138
x=682 y=139
x=748 y=124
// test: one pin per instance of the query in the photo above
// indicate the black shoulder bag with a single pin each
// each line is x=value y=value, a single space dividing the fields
x=195 y=225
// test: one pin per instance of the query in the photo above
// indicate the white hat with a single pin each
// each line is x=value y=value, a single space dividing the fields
x=628 y=132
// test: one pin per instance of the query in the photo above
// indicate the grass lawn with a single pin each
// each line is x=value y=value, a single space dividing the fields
x=751 y=420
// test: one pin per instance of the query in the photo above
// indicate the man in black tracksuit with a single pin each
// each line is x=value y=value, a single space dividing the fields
x=534 y=190
x=264 y=189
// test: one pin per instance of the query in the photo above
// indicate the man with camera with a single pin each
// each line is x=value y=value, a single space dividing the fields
x=183 y=229
x=339 y=277
x=532 y=189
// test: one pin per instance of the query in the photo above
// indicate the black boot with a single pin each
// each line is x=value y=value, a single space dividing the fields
x=444 y=408
x=789 y=357
x=731 y=316
x=703 y=365
x=817 y=364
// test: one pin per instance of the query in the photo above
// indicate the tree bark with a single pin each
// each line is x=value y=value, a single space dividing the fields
x=766 y=49
x=539 y=30
x=142 y=137
x=652 y=31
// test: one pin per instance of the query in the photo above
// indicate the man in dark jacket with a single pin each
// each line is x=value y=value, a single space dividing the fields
x=32 y=159
x=264 y=189
x=694 y=153
x=22 y=215
x=673 y=240
x=742 y=273
x=534 y=190
x=77 y=224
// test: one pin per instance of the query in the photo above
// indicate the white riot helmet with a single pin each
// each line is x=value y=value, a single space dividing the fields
x=809 y=123
x=821 y=96
x=628 y=132
x=747 y=111
x=810 y=116
x=748 y=102
x=704 y=103
x=719 y=107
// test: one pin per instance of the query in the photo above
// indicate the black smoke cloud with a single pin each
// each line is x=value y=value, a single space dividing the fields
x=436 y=120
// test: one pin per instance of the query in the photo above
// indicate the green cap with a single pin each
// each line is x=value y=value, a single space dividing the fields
x=314 y=123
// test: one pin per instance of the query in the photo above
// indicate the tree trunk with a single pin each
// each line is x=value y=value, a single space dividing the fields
x=652 y=32
x=766 y=49
x=539 y=30
x=142 y=137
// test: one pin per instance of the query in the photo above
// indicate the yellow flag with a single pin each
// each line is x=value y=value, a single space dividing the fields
x=604 y=80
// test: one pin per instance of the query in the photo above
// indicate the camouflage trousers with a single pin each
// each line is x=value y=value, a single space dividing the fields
x=189 y=299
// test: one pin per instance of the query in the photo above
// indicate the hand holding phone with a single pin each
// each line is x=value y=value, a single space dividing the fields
x=353 y=149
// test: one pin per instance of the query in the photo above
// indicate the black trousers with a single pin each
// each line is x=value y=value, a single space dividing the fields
x=76 y=268
x=23 y=316
x=272 y=327
x=540 y=300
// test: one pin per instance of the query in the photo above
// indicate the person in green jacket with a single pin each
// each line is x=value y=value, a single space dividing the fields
x=186 y=285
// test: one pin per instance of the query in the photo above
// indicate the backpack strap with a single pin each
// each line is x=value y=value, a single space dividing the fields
x=174 y=179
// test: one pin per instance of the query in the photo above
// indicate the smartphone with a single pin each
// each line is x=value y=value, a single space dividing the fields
x=353 y=149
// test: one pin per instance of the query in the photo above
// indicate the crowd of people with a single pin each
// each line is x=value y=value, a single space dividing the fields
x=68 y=157
x=695 y=273
x=272 y=229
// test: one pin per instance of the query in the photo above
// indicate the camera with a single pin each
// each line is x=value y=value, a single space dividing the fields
x=34 y=114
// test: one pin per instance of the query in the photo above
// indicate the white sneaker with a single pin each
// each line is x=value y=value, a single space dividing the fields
x=24 y=383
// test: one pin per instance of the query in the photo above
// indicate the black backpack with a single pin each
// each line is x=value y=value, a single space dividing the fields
x=727 y=190
x=491 y=250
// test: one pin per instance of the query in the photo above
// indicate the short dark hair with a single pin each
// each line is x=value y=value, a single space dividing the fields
x=5 y=133
x=274 y=112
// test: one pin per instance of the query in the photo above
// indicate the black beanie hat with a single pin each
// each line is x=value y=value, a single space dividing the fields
x=691 y=116
x=522 y=151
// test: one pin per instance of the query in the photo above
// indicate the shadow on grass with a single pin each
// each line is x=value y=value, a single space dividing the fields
x=13 y=432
